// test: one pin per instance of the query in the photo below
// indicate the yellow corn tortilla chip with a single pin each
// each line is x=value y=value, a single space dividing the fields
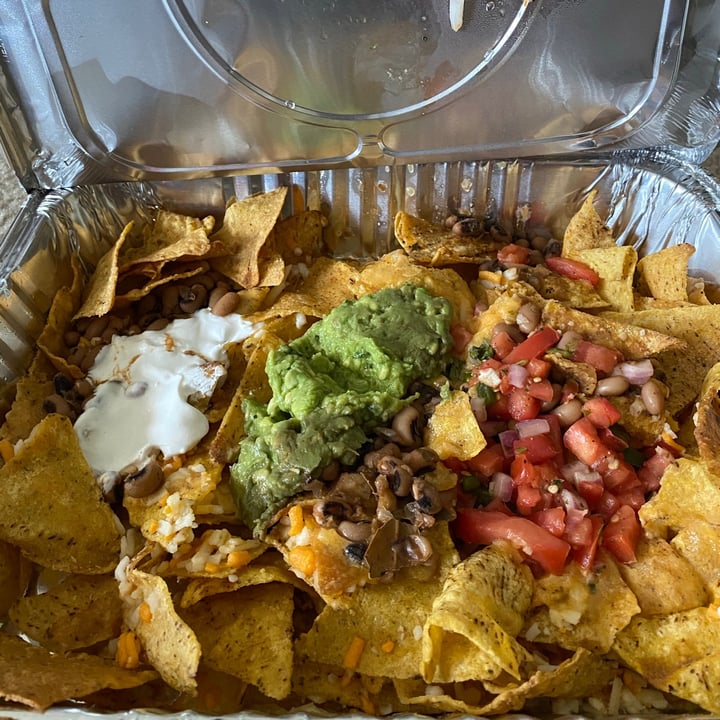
x=79 y=612
x=330 y=684
x=170 y=645
x=689 y=493
x=707 y=422
x=586 y=230
x=613 y=330
x=329 y=282
x=267 y=569
x=396 y=269
x=52 y=338
x=453 y=430
x=100 y=292
x=169 y=237
x=429 y=244
x=664 y=274
x=616 y=268
x=248 y=634
x=171 y=273
x=300 y=236
x=470 y=633
x=246 y=227
x=663 y=581
x=573 y=293
x=15 y=574
x=677 y=653
x=575 y=611
x=38 y=679
x=699 y=543
x=685 y=368
x=32 y=389
x=388 y=615
x=580 y=676
x=51 y=506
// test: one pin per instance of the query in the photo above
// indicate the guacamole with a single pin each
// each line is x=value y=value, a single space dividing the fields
x=347 y=375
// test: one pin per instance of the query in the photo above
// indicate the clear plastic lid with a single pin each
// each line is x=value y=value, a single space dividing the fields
x=96 y=90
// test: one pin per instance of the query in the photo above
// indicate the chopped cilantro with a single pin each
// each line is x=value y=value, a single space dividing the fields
x=486 y=393
x=481 y=352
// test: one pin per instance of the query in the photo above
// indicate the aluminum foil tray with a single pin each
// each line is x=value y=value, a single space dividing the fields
x=651 y=200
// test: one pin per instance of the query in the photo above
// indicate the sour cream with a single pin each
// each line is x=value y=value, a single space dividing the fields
x=144 y=387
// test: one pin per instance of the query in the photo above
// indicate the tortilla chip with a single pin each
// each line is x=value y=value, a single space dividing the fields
x=248 y=634
x=172 y=273
x=246 y=227
x=689 y=493
x=664 y=274
x=429 y=244
x=100 y=291
x=52 y=338
x=170 y=237
x=34 y=677
x=395 y=269
x=453 y=430
x=614 y=330
x=270 y=568
x=663 y=581
x=574 y=610
x=677 y=653
x=573 y=293
x=170 y=645
x=27 y=409
x=586 y=230
x=616 y=268
x=699 y=543
x=51 y=506
x=300 y=237
x=388 y=617
x=707 y=422
x=15 y=574
x=329 y=282
x=79 y=612
x=470 y=634
x=685 y=368
x=580 y=676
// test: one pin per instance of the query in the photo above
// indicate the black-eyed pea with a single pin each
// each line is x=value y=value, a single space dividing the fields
x=226 y=304
x=612 y=386
x=568 y=412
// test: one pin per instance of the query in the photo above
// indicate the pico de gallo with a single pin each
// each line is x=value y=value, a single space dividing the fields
x=559 y=477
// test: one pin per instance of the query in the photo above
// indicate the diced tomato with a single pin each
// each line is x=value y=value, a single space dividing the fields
x=461 y=337
x=573 y=269
x=653 y=469
x=538 y=368
x=600 y=357
x=552 y=519
x=584 y=555
x=591 y=492
x=502 y=344
x=500 y=409
x=578 y=528
x=534 y=345
x=481 y=527
x=522 y=405
x=622 y=533
x=613 y=441
x=488 y=461
x=618 y=474
x=634 y=497
x=569 y=390
x=523 y=472
x=601 y=412
x=542 y=390
x=528 y=499
x=582 y=440
x=607 y=505
x=513 y=254
x=457 y=466
x=537 y=448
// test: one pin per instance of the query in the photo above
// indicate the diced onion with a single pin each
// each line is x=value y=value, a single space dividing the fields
x=477 y=405
x=536 y=426
x=501 y=486
x=517 y=375
x=578 y=471
x=571 y=501
x=507 y=438
x=636 y=372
